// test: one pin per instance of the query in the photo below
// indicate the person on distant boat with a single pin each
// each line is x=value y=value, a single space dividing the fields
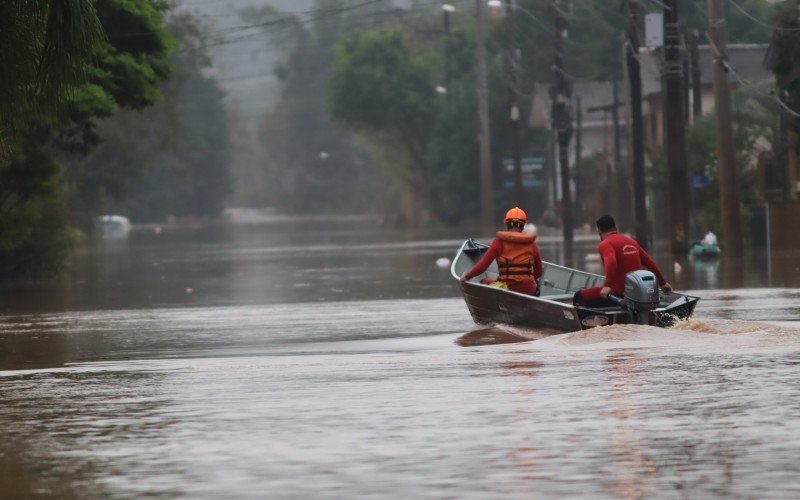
x=710 y=239
x=519 y=261
x=620 y=255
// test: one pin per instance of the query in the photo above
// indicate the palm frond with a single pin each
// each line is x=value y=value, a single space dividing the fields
x=45 y=46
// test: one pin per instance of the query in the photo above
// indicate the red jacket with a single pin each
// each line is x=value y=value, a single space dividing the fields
x=496 y=250
x=622 y=255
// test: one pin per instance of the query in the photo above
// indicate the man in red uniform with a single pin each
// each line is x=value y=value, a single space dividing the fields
x=620 y=255
x=518 y=259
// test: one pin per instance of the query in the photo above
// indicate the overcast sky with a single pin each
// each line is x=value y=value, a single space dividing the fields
x=243 y=67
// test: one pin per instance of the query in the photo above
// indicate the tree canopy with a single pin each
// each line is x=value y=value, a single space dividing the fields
x=46 y=48
x=64 y=64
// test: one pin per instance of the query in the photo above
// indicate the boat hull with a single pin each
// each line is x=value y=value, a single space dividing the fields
x=490 y=305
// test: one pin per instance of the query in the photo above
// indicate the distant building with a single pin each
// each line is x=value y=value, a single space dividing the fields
x=597 y=97
x=597 y=103
x=747 y=65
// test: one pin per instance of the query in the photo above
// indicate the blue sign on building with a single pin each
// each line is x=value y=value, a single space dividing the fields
x=533 y=172
x=700 y=181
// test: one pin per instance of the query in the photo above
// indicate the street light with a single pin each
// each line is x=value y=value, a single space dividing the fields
x=495 y=6
x=447 y=9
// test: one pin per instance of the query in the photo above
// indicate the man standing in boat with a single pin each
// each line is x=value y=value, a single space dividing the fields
x=620 y=255
x=518 y=259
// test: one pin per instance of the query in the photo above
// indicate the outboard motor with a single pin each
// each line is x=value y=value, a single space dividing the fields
x=641 y=295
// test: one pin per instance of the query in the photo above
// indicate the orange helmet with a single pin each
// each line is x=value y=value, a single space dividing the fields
x=515 y=213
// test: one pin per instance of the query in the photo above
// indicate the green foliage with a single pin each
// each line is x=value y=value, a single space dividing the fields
x=33 y=218
x=741 y=29
x=593 y=49
x=786 y=56
x=58 y=75
x=452 y=164
x=168 y=160
x=314 y=165
x=44 y=50
x=128 y=68
x=378 y=82
x=755 y=119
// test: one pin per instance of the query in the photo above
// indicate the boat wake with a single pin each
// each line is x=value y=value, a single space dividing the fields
x=696 y=334
x=502 y=334
x=708 y=335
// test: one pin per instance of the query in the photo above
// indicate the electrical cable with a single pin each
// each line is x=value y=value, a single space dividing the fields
x=746 y=83
x=759 y=21
x=573 y=77
x=661 y=4
x=301 y=22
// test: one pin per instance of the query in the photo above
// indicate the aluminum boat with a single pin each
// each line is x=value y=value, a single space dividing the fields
x=553 y=308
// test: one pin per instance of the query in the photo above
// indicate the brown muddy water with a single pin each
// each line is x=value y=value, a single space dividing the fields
x=265 y=361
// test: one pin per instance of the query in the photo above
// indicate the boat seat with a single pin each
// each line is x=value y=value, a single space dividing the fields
x=561 y=297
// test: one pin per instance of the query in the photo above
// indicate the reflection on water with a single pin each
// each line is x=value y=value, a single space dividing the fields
x=502 y=334
x=329 y=361
x=229 y=264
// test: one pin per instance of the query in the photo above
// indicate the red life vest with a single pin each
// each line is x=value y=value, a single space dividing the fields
x=515 y=262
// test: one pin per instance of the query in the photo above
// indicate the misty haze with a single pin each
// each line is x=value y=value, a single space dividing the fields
x=399 y=249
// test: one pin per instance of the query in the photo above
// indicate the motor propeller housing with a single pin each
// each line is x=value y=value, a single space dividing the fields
x=641 y=295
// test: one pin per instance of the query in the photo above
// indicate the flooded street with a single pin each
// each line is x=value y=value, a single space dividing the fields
x=301 y=360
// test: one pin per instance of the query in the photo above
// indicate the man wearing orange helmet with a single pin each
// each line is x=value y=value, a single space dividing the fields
x=518 y=259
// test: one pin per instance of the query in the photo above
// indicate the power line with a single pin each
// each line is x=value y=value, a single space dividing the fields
x=288 y=16
x=748 y=84
x=759 y=21
x=301 y=22
x=661 y=4
x=575 y=78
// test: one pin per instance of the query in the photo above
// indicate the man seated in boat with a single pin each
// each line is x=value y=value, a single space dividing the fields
x=710 y=239
x=518 y=259
x=620 y=255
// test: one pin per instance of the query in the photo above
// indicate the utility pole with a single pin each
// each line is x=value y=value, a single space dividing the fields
x=519 y=188
x=637 y=123
x=618 y=200
x=726 y=159
x=675 y=132
x=578 y=159
x=562 y=122
x=615 y=119
x=697 y=83
x=687 y=89
x=447 y=9
x=514 y=116
x=484 y=139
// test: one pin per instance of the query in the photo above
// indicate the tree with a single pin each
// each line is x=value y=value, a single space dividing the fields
x=128 y=68
x=45 y=47
x=386 y=92
x=755 y=119
x=784 y=57
x=166 y=160
x=313 y=164
x=74 y=77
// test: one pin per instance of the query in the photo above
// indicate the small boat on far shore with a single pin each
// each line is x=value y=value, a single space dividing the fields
x=702 y=250
x=553 y=308
x=113 y=227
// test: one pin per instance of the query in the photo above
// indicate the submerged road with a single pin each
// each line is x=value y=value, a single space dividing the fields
x=213 y=363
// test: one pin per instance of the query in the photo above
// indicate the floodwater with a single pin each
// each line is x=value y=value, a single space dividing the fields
x=305 y=360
